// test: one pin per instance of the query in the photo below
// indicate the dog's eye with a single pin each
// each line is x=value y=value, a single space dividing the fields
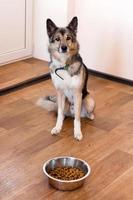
x=57 y=39
x=68 y=38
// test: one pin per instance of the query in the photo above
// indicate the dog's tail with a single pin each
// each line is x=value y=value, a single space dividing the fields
x=49 y=103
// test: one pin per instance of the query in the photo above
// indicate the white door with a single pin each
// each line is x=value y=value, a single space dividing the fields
x=15 y=29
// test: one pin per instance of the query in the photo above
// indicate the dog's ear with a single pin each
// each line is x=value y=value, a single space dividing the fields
x=51 y=27
x=73 y=24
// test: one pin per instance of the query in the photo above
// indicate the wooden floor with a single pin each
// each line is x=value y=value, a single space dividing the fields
x=21 y=71
x=26 y=143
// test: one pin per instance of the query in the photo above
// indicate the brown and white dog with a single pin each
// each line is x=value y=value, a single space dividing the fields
x=69 y=76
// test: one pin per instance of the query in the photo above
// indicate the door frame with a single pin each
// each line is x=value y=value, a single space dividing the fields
x=27 y=50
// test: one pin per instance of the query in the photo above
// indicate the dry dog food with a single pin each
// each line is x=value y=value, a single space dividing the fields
x=66 y=173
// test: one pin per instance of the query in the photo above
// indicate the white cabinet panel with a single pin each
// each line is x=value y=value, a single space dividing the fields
x=15 y=29
x=12 y=25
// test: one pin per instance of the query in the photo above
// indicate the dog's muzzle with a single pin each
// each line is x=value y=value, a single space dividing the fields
x=64 y=49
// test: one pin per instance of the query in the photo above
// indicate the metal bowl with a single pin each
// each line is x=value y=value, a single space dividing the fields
x=66 y=162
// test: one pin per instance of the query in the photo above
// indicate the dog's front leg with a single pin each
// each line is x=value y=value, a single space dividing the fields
x=60 y=116
x=77 y=107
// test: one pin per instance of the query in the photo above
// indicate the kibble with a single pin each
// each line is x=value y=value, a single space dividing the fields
x=66 y=173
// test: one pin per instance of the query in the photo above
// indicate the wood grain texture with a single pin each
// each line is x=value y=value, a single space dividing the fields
x=26 y=143
x=21 y=71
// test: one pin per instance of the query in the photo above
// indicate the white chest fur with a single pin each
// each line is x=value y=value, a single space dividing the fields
x=67 y=85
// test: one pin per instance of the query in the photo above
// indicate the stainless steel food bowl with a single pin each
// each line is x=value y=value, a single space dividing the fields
x=65 y=161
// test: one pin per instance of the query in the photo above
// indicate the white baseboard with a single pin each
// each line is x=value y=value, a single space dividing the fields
x=13 y=57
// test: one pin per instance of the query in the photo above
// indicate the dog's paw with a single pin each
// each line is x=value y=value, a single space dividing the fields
x=78 y=136
x=55 y=130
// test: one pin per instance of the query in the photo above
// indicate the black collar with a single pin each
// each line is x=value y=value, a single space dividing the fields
x=65 y=67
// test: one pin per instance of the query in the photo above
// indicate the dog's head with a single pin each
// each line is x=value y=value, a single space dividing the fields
x=63 y=40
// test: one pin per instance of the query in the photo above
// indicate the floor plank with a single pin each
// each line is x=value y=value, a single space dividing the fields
x=119 y=188
x=21 y=71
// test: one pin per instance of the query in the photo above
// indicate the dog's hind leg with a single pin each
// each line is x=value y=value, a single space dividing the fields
x=67 y=110
x=89 y=104
x=60 y=116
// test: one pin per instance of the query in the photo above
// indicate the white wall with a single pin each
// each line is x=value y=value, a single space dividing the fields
x=43 y=9
x=106 y=35
x=105 y=32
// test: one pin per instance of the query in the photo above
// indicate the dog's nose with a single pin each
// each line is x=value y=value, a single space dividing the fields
x=64 y=49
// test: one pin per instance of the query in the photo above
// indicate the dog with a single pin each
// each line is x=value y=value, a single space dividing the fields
x=69 y=76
